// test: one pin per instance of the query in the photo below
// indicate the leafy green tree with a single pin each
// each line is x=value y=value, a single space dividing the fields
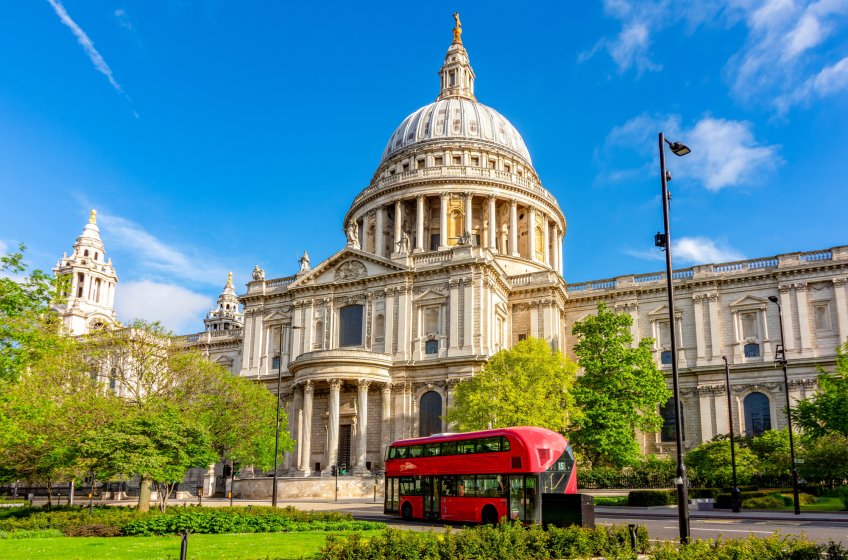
x=528 y=385
x=772 y=450
x=159 y=443
x=710 y=462
x=618 y=393
x=824 y=412
x=825 y=459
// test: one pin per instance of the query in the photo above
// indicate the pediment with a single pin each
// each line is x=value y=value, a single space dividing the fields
x=430 y=296
x=224 y=360
x=663 y=311
x=749 y=301
x=277 y=315
x=348 y=265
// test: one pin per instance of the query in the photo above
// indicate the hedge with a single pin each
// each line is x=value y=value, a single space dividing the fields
x=749 y=488
x=650 y=498
x=787 y=547
x=704 y=493
x=723 y=500
x=210 y=521
x=814 y=489
x=506 y=541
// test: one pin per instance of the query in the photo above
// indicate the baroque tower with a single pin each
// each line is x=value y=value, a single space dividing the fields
x=226 y=316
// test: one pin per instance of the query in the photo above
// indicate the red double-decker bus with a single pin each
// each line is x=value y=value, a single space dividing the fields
x=478 y=476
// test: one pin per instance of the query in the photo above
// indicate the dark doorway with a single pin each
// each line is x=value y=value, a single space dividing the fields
x=344 y=447
x=431 y=409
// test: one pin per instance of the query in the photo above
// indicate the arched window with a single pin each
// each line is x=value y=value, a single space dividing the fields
x=431 y=409
x=95 y=255
x=350 y=328
x=757 y=414
x=85 y=253
x=669 y=433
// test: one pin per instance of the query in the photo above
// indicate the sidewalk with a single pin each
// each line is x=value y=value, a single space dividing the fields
x=671 y=511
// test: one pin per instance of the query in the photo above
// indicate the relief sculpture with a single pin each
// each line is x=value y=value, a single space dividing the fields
x=351 y=270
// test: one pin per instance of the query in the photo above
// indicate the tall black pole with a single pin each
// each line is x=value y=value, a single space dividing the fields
x=734 y=492
x=680 y=481
x=277 y=443
x=783 y=362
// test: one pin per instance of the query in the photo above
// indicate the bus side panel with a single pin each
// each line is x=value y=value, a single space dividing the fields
x=572 y=484
x=417 y=505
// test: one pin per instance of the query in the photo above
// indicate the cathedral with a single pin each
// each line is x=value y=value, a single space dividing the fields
x=453 y=252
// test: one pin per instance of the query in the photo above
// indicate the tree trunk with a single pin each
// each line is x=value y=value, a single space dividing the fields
x=71 y=492
x=50 y=494
x=144 y=494
x=164 y=492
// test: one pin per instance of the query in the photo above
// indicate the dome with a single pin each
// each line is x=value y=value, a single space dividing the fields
x=457 y=119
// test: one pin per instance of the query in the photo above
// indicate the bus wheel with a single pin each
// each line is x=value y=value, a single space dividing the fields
x=490 y=516
x=406 y=511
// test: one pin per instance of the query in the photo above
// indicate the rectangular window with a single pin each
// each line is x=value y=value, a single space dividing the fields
x=457 y=160
x=476 y=240
x=504 y=444
x=507 y=167
x=406 y=167
x=665 y=358
x=420 y=164
x=522 y=337
x=490 y=486
x=752 y=350
x=275 y=363
x=407 y=486
x=466 y=486
x=432 y=450
x=448 y=448
x=415 y=451
x=475 y=161
x=465 y=447
x=452 y=79
x=489 y=444
x=439 y=160
x=402 y=452
x=431 y=347
x=491 y=164
x=448 y=486
x=350 y=331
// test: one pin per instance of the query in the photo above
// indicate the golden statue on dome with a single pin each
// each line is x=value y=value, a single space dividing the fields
x=230 y=279
x=457 y=31
x=93 y=219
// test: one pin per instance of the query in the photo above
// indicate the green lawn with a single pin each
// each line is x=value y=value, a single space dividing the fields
x=826 y=504
x=200 y=547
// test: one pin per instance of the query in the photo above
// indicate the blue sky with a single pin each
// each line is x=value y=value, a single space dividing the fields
x=212 y=136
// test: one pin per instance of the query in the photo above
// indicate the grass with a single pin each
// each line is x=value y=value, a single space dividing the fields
x=200 y=547
x=826 y=504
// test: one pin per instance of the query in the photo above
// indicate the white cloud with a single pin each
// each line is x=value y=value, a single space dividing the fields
x=123 y=20
x=157 y=257
x=177 y=308
x=87 y=44
x=691 y=250
x=725 y=153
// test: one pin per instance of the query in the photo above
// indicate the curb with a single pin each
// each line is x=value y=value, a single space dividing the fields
x=645 y=514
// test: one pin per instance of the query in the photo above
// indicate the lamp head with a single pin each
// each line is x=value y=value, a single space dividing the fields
x=773 y=299
x=679 y=149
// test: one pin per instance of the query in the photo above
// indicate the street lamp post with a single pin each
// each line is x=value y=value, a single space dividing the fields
x=277 y=442
x=782 y=361
x=664 y=240
x=734 y=493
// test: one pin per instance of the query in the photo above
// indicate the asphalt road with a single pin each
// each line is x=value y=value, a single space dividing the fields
x=658 y=529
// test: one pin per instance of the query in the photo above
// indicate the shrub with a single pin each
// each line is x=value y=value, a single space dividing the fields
x=96 y=530
x=749 y=488
x=650 y=498
x=775 y=547
x=213 y=521
x=723 y=500
x=37 y=534
x=611 y=501
x=769 y=502
x=814 y=489
x=704 y=493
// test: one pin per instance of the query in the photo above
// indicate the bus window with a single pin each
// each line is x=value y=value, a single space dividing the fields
x=530 y=498
x=418 y=490
x=432 y=449
x=516 y=497
x=407 y=486
x=488 y=445
x=449 y=448
x=489 y=486
x=390 y=453
x=402 y=452
x=505 y=444
x=466 y=486
x=395 y=493
x=465 y=446
x=415 y=451
x=448 y=486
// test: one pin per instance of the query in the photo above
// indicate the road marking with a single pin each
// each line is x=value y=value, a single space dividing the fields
x=777 y=523
x=724 y=530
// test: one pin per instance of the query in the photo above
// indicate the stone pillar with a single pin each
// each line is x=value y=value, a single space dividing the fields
x=721 y=414
x=481 y=340
x=385 y=426
x=209 y=481
x=363 y=232
x=453 y=347
x=285 y=336
x=308 y=330
x=403 y=326
x=534 y=319
x=297 y=428
x=548 y=322
x=398 y=223
x=559 y=254
x=715 y=339
x=306 y=447
x=841 y=309
x=333 y=426
x=361 y=426
x=389 y=318
x=546 y=254
x=297 y=321
x=531 y=233
x=419 y=225
x=803 y=316
x=256 y=350
x=706 y=416
x=786 y=307
x=553 y=250
x=513 y=228
x=468 y=316
x=443 y=221
x=700 y=342
x=468 y=209
x=379 y=239
x=493 y=225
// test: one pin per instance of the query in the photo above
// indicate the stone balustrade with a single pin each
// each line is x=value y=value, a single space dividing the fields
x=277 y=282
x=503 y=177
x=432 y=257
x=208 y=335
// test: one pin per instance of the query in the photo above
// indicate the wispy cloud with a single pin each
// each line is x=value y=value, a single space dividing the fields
x=778 y=64
x=691 y=250
x=87 y=44
x=176 y=307
x=123 y=20
x=725 y=153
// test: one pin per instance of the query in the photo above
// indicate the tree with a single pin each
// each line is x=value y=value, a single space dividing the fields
x=773 y=453
x=710 y=462
x=159 y=443
x=825 y=459
x=619 y=392
x=824 y=412
x=528 y=385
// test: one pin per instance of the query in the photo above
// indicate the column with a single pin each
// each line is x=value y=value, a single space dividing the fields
x=285 y=355
x=841 y=308
x=248 y=330
x=468 y=316
x=306 y=447
x=547 y=242
x=307 y=329
x=398 y=223
x=481 y=341
x=361 y=425
x=531 y=233
x=803 y=317
x=534 y=319
x=715 y=340
x=443 y=221
x=403 y=323
x=333 y=427
x=362 y=232
x=721 y=414
x=786 y=309
x=559 y=254
x=379 y=239
x=706 y=417
x=389 y=321
x=296 y=428
x=297 y=321
x=468 y=207
x=493 y=225
x=454 y=317
x=259 y=330
x=513 y=228
x=385 y=426
x=699 y=326
x=548 y=321
x=553 y=249
x=419 y=225
x=767 y=347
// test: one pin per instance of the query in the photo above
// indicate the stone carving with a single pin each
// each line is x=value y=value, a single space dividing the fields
x=351 y=233
x=335 y=384
x=349 y=271
x=304 y=262
x=403 y=244
x=457 y=31
x=258 y=273
x=464 y=239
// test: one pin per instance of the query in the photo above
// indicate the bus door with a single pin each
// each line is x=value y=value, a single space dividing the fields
x=524 y=500
x=516 y=498
x=430 y=489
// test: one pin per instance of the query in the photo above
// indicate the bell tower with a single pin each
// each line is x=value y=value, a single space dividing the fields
x=88 y=303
